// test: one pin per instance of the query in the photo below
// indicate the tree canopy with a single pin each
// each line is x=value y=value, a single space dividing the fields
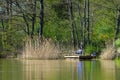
x=92 y=24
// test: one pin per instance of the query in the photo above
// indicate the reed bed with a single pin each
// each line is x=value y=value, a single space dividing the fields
x=35 y=49
x=108 y=54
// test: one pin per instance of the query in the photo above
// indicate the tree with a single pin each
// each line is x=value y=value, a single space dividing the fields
x=41 y=18
x=72 y=23
x=117 y=30
x=33 y=18
x=27 y=30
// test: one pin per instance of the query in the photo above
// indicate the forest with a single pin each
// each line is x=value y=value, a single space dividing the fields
x=63 y=25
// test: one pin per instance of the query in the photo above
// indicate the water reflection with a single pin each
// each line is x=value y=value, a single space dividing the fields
x=108 y=68
x=85 y=70
x=10 y=70
x=58 y=70
x=49 y=70
x=117 y=74
x=97 y=70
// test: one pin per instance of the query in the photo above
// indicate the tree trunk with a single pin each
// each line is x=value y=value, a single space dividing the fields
x=33 y=18
x=88 y=27
x=85 y=23
x=7 y=1
x=11 y=8
x=81 y=26
x=117 y=29
x=3 y=27
x=41 y=18
x=24 y=17
x=72 y=22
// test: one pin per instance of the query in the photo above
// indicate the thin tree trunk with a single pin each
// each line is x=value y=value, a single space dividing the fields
x=25 y=19
x=88 y=27
x=7 y=1
x=72 y=23
x=76 y=30
x=10 y=7
x=76 y=34
x=8 y=13
x=3 y=27
x=81 y=26
x=85 y=23
x=41 y=18
x=117 y=29
x=33 y=18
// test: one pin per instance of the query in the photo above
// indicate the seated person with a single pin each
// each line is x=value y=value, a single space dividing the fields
x=93 y=54
x=79 y=51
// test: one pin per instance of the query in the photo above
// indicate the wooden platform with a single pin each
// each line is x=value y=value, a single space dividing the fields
x=73 y=57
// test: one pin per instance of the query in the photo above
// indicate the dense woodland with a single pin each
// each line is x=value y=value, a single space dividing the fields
x=90 y=24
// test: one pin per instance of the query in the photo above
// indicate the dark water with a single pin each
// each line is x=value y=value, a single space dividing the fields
x=58 y=70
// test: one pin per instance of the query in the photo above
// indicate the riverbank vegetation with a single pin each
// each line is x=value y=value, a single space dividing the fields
x=35 y=49
x=47 y=28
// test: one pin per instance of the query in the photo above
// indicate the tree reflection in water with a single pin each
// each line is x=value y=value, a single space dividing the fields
x=96 y=70
x=58 y=70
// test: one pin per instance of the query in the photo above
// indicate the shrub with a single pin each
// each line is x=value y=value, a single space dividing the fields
x=117 y=43
x=89 y=49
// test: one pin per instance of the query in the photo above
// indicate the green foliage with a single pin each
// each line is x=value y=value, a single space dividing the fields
x=61 y=10
x=90 y=49
x=117 y=61
x=117 y=43
x=11 y=38
x=57 y=24
x=12 y=42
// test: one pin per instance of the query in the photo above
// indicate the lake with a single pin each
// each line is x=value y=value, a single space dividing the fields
x=58 y=70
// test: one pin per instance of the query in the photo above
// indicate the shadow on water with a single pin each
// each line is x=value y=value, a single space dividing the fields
x=58 y=70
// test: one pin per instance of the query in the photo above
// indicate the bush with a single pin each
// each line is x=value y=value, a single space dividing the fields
x=117 y=43
x=89 y=49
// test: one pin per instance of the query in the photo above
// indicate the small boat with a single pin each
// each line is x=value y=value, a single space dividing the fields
x=86 y=57
x=80 y=57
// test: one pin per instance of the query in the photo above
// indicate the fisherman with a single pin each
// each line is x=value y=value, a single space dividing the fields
x=79 y=51
x=93 y=54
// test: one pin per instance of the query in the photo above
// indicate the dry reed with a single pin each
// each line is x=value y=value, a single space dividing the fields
x=108 y=53
x=34 y=49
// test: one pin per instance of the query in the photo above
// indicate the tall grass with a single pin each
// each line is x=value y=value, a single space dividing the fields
x=35 y=49
x=108 y=54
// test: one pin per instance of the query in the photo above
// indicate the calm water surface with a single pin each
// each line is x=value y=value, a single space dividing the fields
x=58 y=70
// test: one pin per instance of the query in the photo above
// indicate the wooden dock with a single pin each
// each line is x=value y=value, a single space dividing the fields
x=72 y=57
